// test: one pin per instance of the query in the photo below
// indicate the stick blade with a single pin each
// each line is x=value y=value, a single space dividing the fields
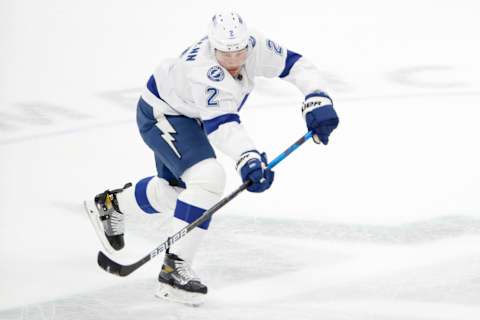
x=109 y=265
x=116 y=268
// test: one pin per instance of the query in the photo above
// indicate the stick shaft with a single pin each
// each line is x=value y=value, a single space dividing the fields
x=289 y=150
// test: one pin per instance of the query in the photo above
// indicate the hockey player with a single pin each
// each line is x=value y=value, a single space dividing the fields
x=189 y=104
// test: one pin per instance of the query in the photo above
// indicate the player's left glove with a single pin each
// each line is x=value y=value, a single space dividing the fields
x=253 y=166
x=320 y=116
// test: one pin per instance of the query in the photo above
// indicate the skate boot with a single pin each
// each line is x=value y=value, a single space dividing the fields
x=107 y=219
x=179 y=283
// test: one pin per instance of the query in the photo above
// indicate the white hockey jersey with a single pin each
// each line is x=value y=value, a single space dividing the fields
x=196 y=86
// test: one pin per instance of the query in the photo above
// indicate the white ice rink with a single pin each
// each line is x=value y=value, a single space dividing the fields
x=381 y=224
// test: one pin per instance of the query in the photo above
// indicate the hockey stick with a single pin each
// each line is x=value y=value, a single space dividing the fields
x=113 y=267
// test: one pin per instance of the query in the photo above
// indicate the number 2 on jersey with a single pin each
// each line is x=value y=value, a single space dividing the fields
x=211 y=96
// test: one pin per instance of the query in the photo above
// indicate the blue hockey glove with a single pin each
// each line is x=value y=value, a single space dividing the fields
x=320 y=116
x=252 y=166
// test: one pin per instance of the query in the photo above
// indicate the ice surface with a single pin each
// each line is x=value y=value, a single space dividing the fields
x=383 y=223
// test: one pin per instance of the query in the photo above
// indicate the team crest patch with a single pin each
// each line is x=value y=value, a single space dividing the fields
x=215 y=73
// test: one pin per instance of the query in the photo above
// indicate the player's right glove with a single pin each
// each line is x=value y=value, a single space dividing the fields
x=320 y=116
x=253 y=166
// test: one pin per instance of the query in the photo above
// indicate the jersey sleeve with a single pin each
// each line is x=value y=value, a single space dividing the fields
x=305 y=76
x=273 y=60
x=213 y=94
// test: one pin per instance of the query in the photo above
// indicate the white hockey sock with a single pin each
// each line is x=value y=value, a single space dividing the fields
x=185 y=213
x=205 y=183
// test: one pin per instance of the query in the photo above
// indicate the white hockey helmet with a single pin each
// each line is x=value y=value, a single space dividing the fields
x=227 y=32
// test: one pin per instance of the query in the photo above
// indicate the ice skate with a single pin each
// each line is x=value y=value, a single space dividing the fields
x=178 y=283
x=107 y=219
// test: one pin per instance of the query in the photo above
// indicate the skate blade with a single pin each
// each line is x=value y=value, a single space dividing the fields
x=170 y=293
x=94 y=218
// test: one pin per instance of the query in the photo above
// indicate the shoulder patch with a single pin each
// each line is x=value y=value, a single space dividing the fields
x=215 y=73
